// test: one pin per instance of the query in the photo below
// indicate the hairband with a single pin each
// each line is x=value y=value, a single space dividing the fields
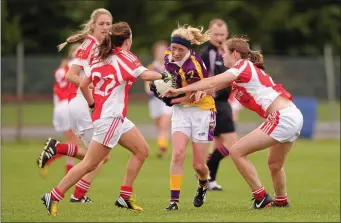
x=181 y=41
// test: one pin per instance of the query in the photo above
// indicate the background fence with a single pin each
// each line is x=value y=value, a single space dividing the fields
x=302 y=76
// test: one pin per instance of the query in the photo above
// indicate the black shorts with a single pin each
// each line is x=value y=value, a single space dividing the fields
x=224 y=121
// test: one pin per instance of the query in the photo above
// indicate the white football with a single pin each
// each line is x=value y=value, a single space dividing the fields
x=162 y=86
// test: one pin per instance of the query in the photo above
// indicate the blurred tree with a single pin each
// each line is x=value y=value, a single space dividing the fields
x=279 y=27
x=10 y=29
x=43 y=26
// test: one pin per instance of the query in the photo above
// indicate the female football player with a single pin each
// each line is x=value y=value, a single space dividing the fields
x=61 y=120
x=94 y=31
x=255 y=90
x=195 y=121
x=112 y=72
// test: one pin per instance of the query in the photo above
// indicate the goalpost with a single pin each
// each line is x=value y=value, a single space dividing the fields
x=20 y=89
x=330 y=80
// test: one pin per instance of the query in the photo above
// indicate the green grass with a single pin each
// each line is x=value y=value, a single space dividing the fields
x=39 y=114
x=313 y=173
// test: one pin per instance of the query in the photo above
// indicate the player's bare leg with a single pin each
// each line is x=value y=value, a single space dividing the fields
x=72 y=139
x=200 y=152
x=179 y=143
x=276 y=159
x=53 y=148
x=239 y=152
x=95 y=154
x=137 y=145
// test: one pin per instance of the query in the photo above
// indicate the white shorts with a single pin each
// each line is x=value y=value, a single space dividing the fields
x=61 y=121
x=80 y=118
x=158 y=108
x=108 y=131
x=284 y=125
x=196 y=123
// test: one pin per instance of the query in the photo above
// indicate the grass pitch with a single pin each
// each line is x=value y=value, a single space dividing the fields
x=313 y=173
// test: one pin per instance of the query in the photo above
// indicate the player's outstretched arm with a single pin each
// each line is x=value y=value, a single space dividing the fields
x=149 y=75
x=72 y=74
x=204 y=84
x=84 y=87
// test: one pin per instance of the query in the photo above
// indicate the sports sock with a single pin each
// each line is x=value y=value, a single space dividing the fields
x=56 y=194
x=259 y=193
x=70 y=162
x=162 y=144
x=67 y=149
x=175 y=186
x=281 y=200
x=125 y=192
x=203 y=181
x=81 y=188
x=68 y=167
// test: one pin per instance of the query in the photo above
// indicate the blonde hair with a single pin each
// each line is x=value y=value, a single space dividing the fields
x=192 y=34
x=86 y=28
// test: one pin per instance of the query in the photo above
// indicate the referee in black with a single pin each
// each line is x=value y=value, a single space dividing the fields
x=224 y=134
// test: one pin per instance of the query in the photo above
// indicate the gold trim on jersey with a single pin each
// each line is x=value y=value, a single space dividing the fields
x=197 y=67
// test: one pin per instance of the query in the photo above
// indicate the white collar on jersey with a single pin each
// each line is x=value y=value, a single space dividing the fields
x=181 y=62
x=92 y=37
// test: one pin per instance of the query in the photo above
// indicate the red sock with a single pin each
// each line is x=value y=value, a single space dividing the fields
x=81 y=188
x=281 y=199
x=56 y=194
x=68 y=167
x=126 y=192
x=67 y=149
x=259 y=193
x=53 y=158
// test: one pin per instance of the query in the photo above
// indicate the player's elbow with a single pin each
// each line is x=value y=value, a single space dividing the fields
x=146 y=76
x=68 y=76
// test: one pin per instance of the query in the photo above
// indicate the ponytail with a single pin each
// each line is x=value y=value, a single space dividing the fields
x=71 y=39
x=105 y=48
x=257 y=59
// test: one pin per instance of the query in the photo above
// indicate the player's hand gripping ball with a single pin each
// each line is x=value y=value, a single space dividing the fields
x=166 y=82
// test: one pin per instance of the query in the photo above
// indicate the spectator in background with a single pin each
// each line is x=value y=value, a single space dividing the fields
x=224 y=134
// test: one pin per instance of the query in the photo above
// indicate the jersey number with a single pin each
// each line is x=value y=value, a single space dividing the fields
x=104 y=85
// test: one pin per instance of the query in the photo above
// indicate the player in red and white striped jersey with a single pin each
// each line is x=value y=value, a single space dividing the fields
x=255 y=90
x=80 y=120
x=61 y=121
x=112 y=74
